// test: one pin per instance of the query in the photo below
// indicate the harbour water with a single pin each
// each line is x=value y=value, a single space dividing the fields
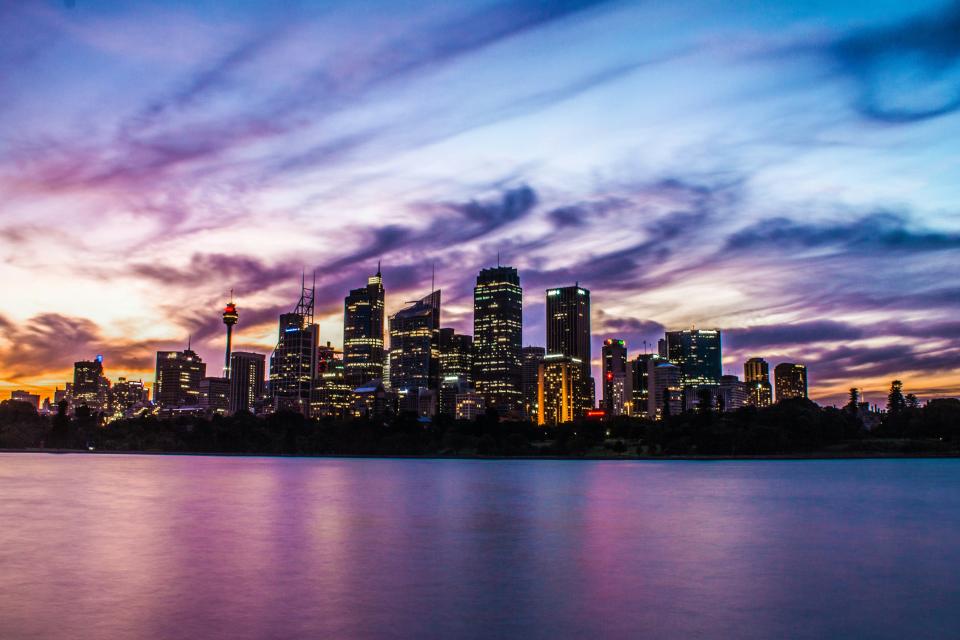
x=162 y=547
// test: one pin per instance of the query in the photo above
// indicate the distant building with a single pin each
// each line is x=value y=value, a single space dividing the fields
x=247 y=384
x=641 y=368
x=568 y=334
x=558 y=389
x=415 y=350
x=665 y=389
x=617 y=379
x=363 y=344
x=90 y=387
x=128 y=395
x=470 y=405
x=177 y=379
x=756 y=375
x=734 y=394
x=790 y=380
x=332 y=395
x=531 y=357
x=498 y=336
x=370 y=400
x=25 y=396
x=215 y=395
x=293 y=367
x=697 y=353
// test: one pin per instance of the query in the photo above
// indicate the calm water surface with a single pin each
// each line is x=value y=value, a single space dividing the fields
x=157 y=547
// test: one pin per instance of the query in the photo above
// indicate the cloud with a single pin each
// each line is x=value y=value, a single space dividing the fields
x=783 y=335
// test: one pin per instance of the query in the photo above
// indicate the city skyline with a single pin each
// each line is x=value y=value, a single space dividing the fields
x=805 y=205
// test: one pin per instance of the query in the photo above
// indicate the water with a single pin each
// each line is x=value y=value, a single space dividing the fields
x=151 y=547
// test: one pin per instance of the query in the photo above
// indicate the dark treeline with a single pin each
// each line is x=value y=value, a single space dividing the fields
x=790 y=427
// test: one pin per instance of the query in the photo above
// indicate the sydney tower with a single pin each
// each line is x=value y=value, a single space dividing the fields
x=230 y=318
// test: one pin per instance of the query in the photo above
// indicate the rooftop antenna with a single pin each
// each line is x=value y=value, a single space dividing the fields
x=433 y=276
x=498 y=259
x=189 y=339
x=378 y=267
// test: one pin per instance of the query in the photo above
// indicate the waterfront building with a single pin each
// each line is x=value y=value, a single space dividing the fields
x=415 y=349
x=734 y=394
x=470 y=405
x=568 y=334
x=247 y=385
x=363 y=344
x=665 y=389
x=558 y=389
x=215 y=395
x=530 y=357
x=616 y=378
x=790 y=380
x=641 y=368
x=177 y=379
x=127 y=395
x=293 y=366
x=697 y=353
x=498 y=336
x=90 y=387
x=756 y=375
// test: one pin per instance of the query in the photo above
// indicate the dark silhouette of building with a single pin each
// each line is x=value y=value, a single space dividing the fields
x=498 y=337
x=25 y=396
x=790 y=380
x=568 y=334
x=215 y=395
x=247 y=385
x=531 y=357
x=90 y=387
x=177 y=381
x=697 y=353
x=363 y=353
x=293 y=367
x=230 y=318
x=415 y=349
x=617 y=377
x=756 y=375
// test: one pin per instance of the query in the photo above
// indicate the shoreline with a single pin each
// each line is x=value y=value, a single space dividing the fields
x=822 y=455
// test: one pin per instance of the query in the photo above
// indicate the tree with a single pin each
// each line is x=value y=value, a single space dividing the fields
x=854 y=403
x=913 y=402
x=895 y=400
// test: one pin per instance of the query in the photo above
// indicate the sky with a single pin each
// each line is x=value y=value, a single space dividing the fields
x=784 y=171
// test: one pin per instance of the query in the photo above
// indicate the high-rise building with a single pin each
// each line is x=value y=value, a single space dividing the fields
x=414 y=346
x=568 y=334
x=128 y=395
x=665 y=389
x=641 y=367
x=733 y=394
x=697 y=353
x=363 y=352
x=756 y=375
x=559 y=381
x=456 y=368
x=90 y=387
x=293 y=367
x=531 y=357
x=616 y=377
x=790 y=380
x=332 y=396
x=230 y=318
x=177 y=381
x=498 y=337
x=215 y=395
x=247 y=387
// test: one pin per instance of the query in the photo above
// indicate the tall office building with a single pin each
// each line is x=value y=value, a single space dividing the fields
x=617 y=377
x=530 y=357
x=456 y=368
x=177 y=380
x=498 y=337
x=415 y=348
x=790 y=380
x=665 y=389
x=128 y=395
x=293 y=367
x=247 y=386
x=363 y=332
x=733 y=394
x=568 y=334
x=332 y=396
x=697 y=353
x=640 y=388
x=557 y=389
x=90 y=387
x=756 y=375
x=215 y=395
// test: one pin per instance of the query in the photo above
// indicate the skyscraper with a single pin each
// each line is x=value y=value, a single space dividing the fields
x=177 y=381
x=616 y=377
x=293 y=367
x=414 y=345
x=127 y=395
x=456 y=368
x=215 y=395
x=230 y=318
x=665 y=394
x=790 y=380
x=332 y=395
x=557 y=389
x=531 y=357
x=641 y=369
x=568 y=334
x=697 y=353
x=756 y=375
x=363 y=332
x=90 y=387
x=247 y=385
x=498 y=336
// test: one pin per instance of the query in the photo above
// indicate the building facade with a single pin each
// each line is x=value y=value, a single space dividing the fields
x=617 y=378
x=697 y=353
x=177 y=379
x=530 y=357
x=90 y=387
x=756 y=375
x=790 y=380
x=293 y=366
x=498 y=337
x=568 y=334
x=247 y=381
x=363 y=344
x=415 y=345
x=558 y=389
x=215 y=395
x=665 y=395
